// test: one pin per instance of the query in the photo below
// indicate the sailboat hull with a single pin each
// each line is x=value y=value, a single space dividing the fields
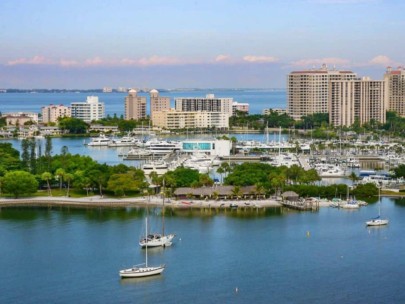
x=139 y=272
x=378 y=222
x=157 y=241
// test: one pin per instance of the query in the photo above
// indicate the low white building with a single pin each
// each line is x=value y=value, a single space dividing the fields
x=218 y=147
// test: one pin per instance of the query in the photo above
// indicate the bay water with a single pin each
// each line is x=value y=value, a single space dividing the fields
x=65 y=255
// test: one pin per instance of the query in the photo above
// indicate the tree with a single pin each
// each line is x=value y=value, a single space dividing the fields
x=68 y=178
x=19 y=182
x=72 y=125
x=47 y=176
x=121 y=183
x=60 y=173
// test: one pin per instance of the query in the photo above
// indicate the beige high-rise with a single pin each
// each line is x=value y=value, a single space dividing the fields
x=395 y=90
x=135 y=106
x=158 y=103
x=307 y=91
x=360 y=99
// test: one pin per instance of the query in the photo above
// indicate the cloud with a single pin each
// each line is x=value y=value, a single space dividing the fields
x=320 y=61
x=222 y=58
x=260 y=59
x=32 y=60
x=382 y=60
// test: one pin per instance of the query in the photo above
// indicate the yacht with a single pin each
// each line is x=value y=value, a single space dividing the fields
x=162 y=147
x=330 y=171
x=100 y=141
x=126 y=141
x=160 y=167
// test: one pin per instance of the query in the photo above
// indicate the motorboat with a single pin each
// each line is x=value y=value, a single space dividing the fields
x=160 y=167
x=126 y=141
x=100 y=141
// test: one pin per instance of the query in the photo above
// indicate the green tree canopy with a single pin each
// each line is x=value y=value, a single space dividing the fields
x=19 y=182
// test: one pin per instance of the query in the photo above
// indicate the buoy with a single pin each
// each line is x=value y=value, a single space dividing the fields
x=308 y=234
x=236 y=289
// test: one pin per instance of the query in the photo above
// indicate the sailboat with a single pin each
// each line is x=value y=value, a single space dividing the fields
x=378 y=221
x=137 y=271
x=157 y=239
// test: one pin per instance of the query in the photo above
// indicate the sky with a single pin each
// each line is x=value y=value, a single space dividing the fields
x=82 y=44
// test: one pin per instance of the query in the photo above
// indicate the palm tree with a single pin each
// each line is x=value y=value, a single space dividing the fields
x=47 y=176
x=237 y=191
x=353 y=177
x=221 y=171
x=68 y=178
x=60 y=173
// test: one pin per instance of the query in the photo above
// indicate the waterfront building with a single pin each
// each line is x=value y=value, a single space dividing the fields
x=122 y=90
x=275 y=110
x=135 y=106
x=51 y=113
x=103 y=129
x=395 y=90
x=241 y=107
x=219 y=147
x=158 y=103
x=107 y=90
x=20 y=118
x=307 y=91
x=89 y=110
x=172 y=119
x=361 y=99
x=208 y=104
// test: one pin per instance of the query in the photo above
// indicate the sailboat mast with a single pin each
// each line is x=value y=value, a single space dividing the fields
x=146 y=238
x=163 y=210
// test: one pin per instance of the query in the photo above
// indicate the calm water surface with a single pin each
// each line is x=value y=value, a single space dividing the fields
x=270 y=256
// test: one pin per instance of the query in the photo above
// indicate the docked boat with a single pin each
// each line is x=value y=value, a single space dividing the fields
x=138 y=271
x=162 y=146
x=350 y=204
x=100 y=141
x=126 y=141
x=160 y=167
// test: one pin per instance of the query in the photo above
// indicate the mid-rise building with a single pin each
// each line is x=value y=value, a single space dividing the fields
x=275 y=110
x=395 y=90
x=241 y=107
x=158 y=103
x=20 y=118
x=51 y=113
x=172 y=119
x=89 y=110
x=307 y=91
x=107 y=90
x=208 y=104
x=359 y=100
x=135 y=106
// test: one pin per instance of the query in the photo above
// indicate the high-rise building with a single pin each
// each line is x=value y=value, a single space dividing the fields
x=360 y=99
x=88 y=111
x=395 y=90
x=158 y=103
x=135 y=106
x=307 y=91
x=208 y=104
x=51 y=113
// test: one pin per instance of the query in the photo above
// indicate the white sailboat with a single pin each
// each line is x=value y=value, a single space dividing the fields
x=137 y=271
x=378 y=221
x=157 y=239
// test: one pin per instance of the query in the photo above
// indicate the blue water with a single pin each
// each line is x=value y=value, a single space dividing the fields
x=114 y=102
x=73 y=256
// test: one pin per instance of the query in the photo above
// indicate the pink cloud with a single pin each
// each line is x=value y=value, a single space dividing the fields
x=258 y=59
x=382 y=60
x=32 y=60
x=320 y=61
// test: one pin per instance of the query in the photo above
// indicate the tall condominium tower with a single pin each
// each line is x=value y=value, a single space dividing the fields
x=135 y=106
x=88 y=111
x=307 y=91
x=208 y=104
x=395 y=90
x=158 y=103
x=360 y=99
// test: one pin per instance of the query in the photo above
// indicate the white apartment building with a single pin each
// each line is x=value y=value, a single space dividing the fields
x=88 y=111
x=360 y=99
x=51 y=113
x=135 y=106
x=395 y=90
x=307 y=91
x=208 y=104
x=158 y=103
x=172 y=119
x=275 y=110
x=241 y=107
